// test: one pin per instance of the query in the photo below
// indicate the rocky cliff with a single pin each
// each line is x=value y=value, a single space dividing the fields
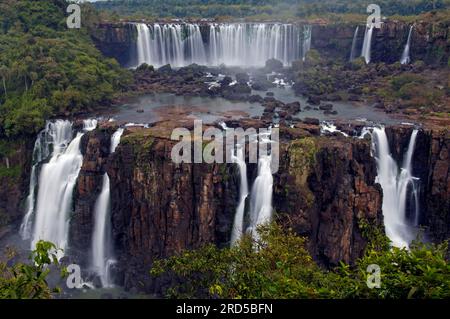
x=428 y=42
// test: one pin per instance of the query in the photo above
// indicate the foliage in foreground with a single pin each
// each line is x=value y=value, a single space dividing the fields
x=279 y=266
x=29 y=281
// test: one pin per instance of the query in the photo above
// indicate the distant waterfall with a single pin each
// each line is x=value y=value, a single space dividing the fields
x=101 y=237
x=56 y=182
x=366 y=49
x=307 y=37
x=355 y=39
x=406 y=59
x=238 y=226
x=399 y=187
x=215 y=44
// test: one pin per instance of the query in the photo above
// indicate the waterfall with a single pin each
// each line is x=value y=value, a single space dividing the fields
x=115 y=139
x=40 y=152
x=398 y=187
x=355 y=39
x=307 y=36
x=367 y=43
x=261 y=196
x=238 y=225
x=56 y=182
x=231 y=44
x=101 y=237
x=406 y=59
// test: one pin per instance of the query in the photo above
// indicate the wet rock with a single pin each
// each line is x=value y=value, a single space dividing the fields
x=165 y=69
x=314 y=100
x=326 y=107
x=242 y=78
x=311 y=121
x=140 y=111
x=270 y=94
x=274 y=65
x=256 y=99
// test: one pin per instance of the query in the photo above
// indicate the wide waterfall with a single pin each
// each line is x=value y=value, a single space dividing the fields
x=56 y=182
x=238 y=226
x=406 y=59
x=353 y=50
x=102 y=254
x=214 y=44
x=399 y=187
x=366 y=49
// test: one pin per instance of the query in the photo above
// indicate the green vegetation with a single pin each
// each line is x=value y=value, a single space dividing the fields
x=279 y=266
x=29 y=281
x=263 y=9
x=47 y=69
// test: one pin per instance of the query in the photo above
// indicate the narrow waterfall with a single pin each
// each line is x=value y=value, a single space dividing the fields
x=355 y=39
x=366 y=49
x=56 y=182
x=398 y=188
x=406 y=59
x=40 y=152
x=101 y=238
x=307 y=36
x=230 y=44
x=261 y=195
x=238 y=226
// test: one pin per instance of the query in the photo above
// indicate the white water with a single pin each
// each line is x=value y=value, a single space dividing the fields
x=261 y=196
x=406 y=59
x=355 y=39
x=40 y=152
x=115 y=139
x=101 y=238
x=328 y=127
x=238 y=226
x=57 y=180
x=396 y=185
x=366 y=49
x=307 y=37
x=230 y=44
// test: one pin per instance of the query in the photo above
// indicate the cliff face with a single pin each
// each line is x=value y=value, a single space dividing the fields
x=117 y=41
x=428 y=42
x=15 y=164
x=324 y=189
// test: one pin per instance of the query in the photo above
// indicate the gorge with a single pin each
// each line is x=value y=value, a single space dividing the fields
x=363 y=169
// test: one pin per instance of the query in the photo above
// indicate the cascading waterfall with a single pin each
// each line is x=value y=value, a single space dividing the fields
x=355 y=39
x=230 y=44
x=406 y=59
x=40 y=152
x=307 y=37
x=101 y=237
x=366 y=49
x=238 y=226
x=398 y=188
x=57 y=180
x=261 y=196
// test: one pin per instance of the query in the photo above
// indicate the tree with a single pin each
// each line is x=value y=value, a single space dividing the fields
x=29 y=281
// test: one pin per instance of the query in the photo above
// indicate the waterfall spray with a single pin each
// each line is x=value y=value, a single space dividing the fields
x=353 y=50
x=102 y=254
x=56 y=183
x=366 y=49
x=396 y=185
x=231 y=44
x=238 y=226
x=406 y=59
